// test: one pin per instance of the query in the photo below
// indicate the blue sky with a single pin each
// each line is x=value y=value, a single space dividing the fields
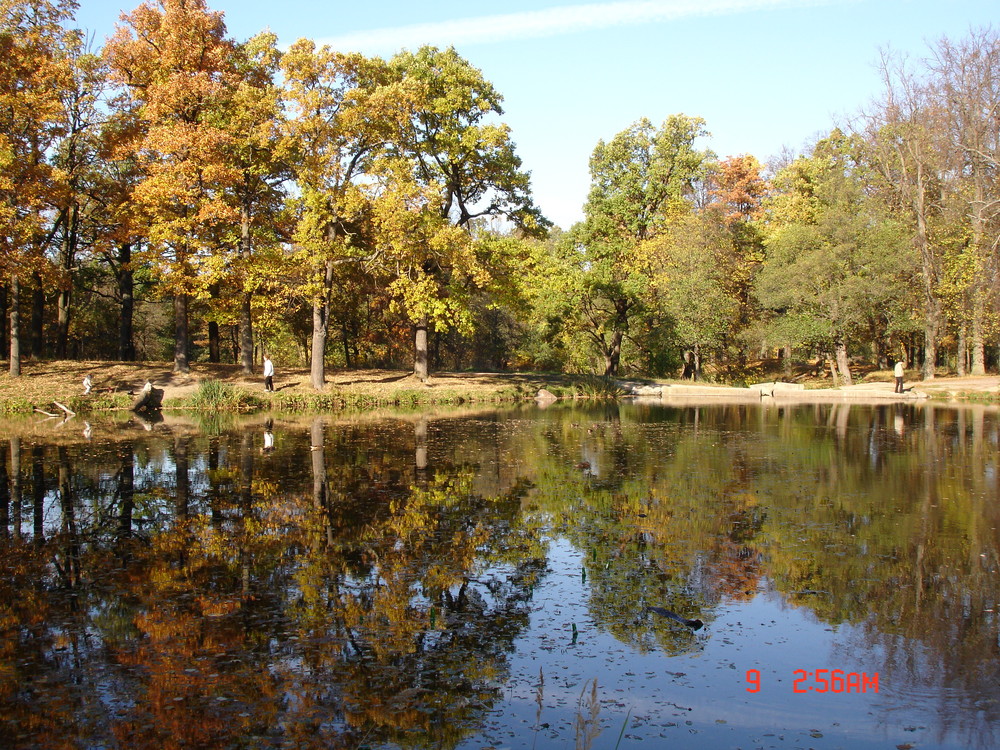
x=764 y=74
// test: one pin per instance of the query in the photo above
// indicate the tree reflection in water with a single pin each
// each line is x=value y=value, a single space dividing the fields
x=371 y=582
x=222 y=605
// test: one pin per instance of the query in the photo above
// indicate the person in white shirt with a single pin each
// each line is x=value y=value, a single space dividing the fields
x=898 y=372
x=268 y=374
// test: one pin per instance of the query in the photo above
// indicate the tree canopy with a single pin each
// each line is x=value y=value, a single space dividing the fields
x=183 y=194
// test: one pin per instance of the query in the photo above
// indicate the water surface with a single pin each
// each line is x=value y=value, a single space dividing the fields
x=480 y=579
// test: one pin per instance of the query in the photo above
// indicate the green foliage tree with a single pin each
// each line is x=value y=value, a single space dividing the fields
x=691 y=284
x=835 y=259
x=642 y=179
x=457 y=151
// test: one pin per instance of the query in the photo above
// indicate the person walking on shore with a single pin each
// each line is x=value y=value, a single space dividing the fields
x=268 y=374
x=898 y=372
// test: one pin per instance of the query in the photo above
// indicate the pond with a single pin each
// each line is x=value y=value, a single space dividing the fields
x=511 y=578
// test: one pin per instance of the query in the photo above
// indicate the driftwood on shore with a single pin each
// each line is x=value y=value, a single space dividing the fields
x=69 y=412
x=66 y=410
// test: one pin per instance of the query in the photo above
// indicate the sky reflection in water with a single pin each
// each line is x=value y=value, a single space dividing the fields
x=463 y=579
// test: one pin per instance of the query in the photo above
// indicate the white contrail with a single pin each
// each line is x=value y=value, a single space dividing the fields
x=550 y=22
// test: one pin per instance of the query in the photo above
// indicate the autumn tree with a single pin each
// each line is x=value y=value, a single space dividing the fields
x=259 y=155
x=344 y=109
x=34 y=72
x=178 y=72
x=737 y=191
x=965 y=86
x=116 y=230
x=432 y=258
x=76 y=158
x=903 y=151
x=259 y=152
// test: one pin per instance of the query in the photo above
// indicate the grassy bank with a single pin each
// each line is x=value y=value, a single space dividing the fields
x=211 y=387
x=223 y=388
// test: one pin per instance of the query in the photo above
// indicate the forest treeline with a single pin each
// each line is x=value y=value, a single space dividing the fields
x=181 y=194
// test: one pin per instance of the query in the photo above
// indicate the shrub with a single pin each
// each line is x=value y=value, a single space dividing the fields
x=596 y=386
x=213 y=395
x=16 y=405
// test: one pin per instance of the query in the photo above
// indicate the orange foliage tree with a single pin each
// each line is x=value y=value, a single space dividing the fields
x=34 y=71
x=178 y=72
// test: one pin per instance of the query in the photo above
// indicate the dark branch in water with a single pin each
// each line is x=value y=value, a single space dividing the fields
x=693 y=624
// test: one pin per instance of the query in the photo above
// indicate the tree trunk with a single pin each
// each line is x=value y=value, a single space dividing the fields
x=126 y=291
x=613 y=354
x=68 y=531
x=612 y=357
x=4 y=498
x=214 y=337
x=246 y=335
x=15 y=327
x=246 y=311
x=234 y=343
x=182 y=493
x=982 y=253
x=347 y=346
x=181 y=334
x=317 y=456
x=317 y=369
x=687 y=373
x=38 y=318
x=420 y=349
x=4 y=309
x=62 y=323
x=963 y=348
x=214 y=342
x=126 y=494
x=246 y=508
x=321 y=326
x=64 y=301
x=831 y=360
x=978 y=337
x=38 y=493
x=842 y=362
x=932 y=305
x=420 y=451
x=931 y=324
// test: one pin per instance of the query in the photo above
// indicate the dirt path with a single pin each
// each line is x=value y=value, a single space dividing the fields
x=979 y=384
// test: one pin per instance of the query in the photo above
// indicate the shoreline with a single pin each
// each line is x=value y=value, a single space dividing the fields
x=52 y=386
